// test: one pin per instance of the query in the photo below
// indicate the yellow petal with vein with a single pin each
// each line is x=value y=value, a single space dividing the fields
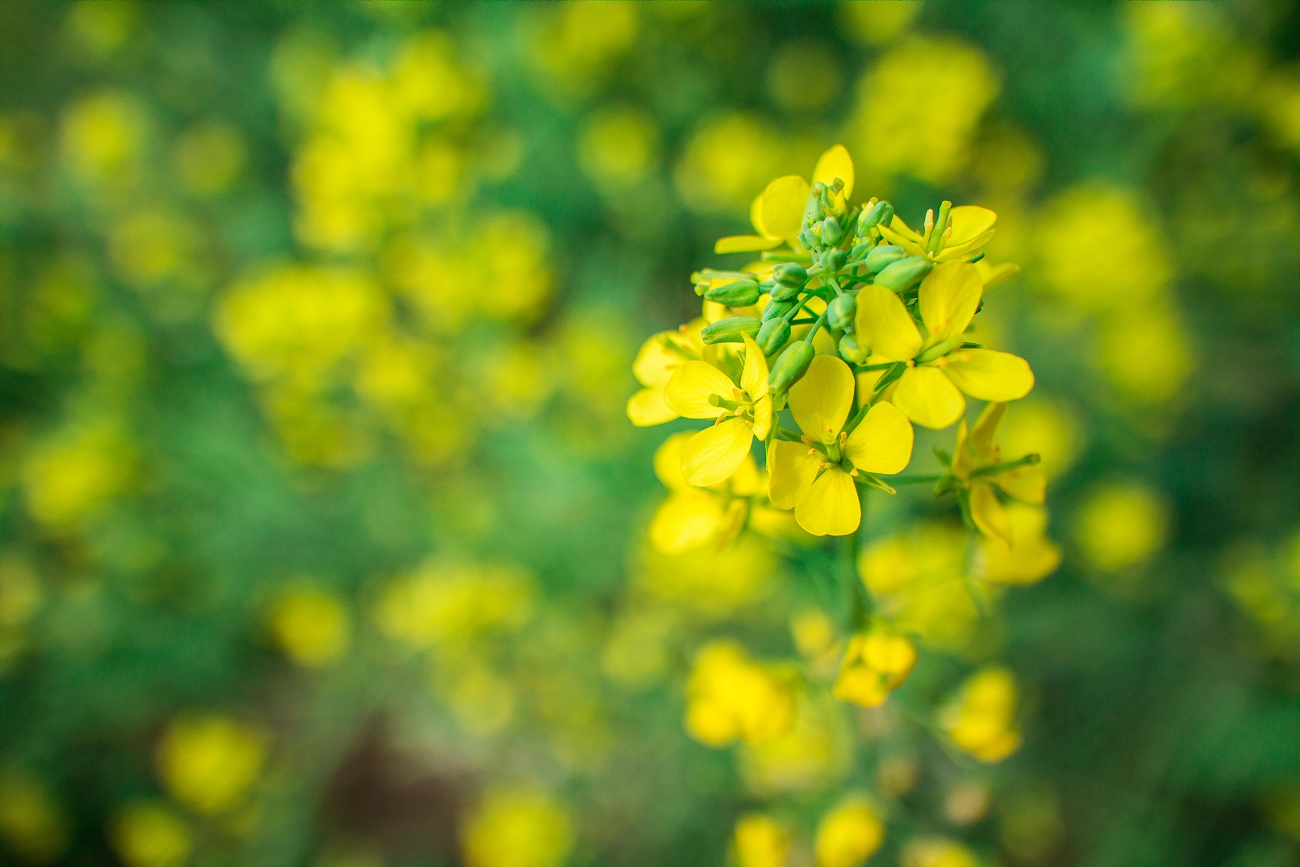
x=989 y=375
x=969 y=222
x=928 y=398
x=687 y=519
x=831 y=506
x=948 y=299
x=884 y=325
x=883 y=442
x=822 y=399
x=647 y=408
x=668 y=461
x=690 y=387
x=744 y=244
x=753 y=377
x=792 y=469
x=714 y=453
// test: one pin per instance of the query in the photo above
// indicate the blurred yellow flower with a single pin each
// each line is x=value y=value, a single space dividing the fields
x=730 y=697
x=937 y=852
x=980 y=719
x=450 y=603
x=32 y=823
x=74 y=475
x=1031 y=557
x=209 y=157
x=1121 y=525
x=714 y=582
x=977 y=464
x=726 y=159
x=517 y=827
x=209 y=763
x=311 y=625
x=617 y=148
x=876 y=663
x=849 y=834
x=104 y=140
x=760 y=841
x=150 y=834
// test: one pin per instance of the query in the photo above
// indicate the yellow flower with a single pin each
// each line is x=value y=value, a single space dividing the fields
x=969 y=228
x=692 y=517
x=760 y=841
x=816 y=479
x=311 y=626
x=876 y=663
x=740 y=412
x=849 y=834
x=1121 y=525
x=937 y=852
x=518 y=827
x=150 y=834
x=980 y=720
x=655 y=364
x=209 y=763
x=1030 y=558
x=32 y=824
x=777 y=213
x=731 y=697
x=938 y=369
x=976 y=464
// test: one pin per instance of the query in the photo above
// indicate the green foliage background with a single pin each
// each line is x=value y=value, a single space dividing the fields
x=159 y=491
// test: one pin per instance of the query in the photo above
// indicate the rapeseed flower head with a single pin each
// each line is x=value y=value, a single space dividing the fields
x=655 y=364
x=1121 y=525
x=981 y=718
x=209 y=763
x=693 y=516
x=311 y=625
x=849 y=834
x=760 y=841
x=876 y=663
x=517 y=826
x=150 y=834
x=730 y=697
x=777 y=213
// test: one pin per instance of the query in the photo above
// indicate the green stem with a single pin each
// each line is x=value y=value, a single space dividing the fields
x=993 y=469
x=916 y=479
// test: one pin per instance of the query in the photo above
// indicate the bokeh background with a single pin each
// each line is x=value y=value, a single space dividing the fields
x=323 y=525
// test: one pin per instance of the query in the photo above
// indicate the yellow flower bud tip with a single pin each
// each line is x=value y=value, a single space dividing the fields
x=929 y=220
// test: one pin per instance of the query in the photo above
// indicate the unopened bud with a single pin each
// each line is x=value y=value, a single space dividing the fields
x=774 y=334
x=885 y=254
x=730 y=330
x=790 y=274
x=741 y=293
x=840 y=312
x=782 y=292
x=834 y=260
x=777 y=309
x=808 y=239
x=851 y=352
x=791 y=366
x=832 y=231
x=880 y=214
x=901 y=274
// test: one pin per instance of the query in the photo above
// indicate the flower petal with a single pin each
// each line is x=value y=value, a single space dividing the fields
x=885 y=326
x=745 y=244
x=822 y=399
x=753 y=377
x=948 y=299
x=835 y=163
x=687 y=519
x=792 y=468
x=830 y=507
x=1026 y=484
x=780 y=211
x=668 y=461
x=989 y=375
x=763 y=417
x=928 y=397
x=647 y=408
x=883 y=442
x=712 y=455
x=989 y=515
x=657 y=359
x=969 y=222
x=690 y=387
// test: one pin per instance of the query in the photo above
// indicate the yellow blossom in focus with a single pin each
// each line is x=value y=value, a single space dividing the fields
x=655 y=364
x=760 y=841
x=980 y=719
x=691 y=517
x=968 y=229
x=730 y=697
x=150 y=834
x=32 y=823
x=849 y=834
x=777 y=212
x=517 y=827
x=209 y=763
x=938 y=368
x=311 y=625
x=876 y=663
x=452 y=603
x=921 y=105
x=1121 y=525
x=817 y=478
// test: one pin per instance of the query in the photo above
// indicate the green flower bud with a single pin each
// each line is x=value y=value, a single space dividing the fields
x=840 y=312
x=901 y=274
x=882 y=213
x=781 y=292
x=834 y=260
x=851 y=352
x=832 y=232
x=730 y=330
x=791 y=366
x=860 y=250
x=774 y=334
x=742 y=293
x=777 y=309
x=808 y=239
x=790 y=274
x=883 y=255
